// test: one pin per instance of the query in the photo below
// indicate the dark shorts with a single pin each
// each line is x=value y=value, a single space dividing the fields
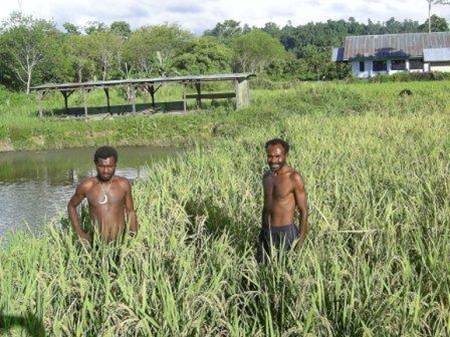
x=276 y=237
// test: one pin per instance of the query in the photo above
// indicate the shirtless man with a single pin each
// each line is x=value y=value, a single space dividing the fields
x=284 y=192
x=109 y=198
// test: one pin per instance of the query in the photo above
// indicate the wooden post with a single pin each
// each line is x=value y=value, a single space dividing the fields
x=184 y=98
x=66 y=104
x=242 y=93
x=151 y=90
x=199 y=92
x=66 y=95
x=85 y=94
x=133 y=98
x=108 y=106
x=40 y=95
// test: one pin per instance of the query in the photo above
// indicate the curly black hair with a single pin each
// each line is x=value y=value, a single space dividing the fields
x=278 y=141
x=105 y=152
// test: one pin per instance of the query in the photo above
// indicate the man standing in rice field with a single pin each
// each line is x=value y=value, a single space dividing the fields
x=284 y=193
x=109 y=198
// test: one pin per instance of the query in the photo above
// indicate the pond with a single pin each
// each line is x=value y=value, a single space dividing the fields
x=36 y=186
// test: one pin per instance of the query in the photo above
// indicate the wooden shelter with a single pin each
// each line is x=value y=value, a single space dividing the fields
x=151 y=85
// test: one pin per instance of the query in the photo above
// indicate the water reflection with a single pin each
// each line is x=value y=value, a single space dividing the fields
x=35 y=186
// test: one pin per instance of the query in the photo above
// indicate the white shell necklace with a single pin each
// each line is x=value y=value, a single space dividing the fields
x=105 y=195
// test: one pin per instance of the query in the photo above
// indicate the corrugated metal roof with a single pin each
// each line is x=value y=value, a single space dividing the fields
x=337 y=55
x=103 y=84
x=393 y=45
x=436 y=54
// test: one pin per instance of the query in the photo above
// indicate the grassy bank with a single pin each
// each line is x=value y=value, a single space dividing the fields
x=21 y=129
x=376 y=168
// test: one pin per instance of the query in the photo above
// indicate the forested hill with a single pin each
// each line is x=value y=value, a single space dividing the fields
x=34 y=51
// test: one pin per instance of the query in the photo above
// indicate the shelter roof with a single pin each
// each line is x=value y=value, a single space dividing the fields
x=156 y=80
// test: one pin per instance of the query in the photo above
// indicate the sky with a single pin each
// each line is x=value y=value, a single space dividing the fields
x=197 y=15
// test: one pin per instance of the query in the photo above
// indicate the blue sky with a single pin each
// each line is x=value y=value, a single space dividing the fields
x=198 y=15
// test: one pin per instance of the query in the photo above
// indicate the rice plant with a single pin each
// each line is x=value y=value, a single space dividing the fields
x=376 y=261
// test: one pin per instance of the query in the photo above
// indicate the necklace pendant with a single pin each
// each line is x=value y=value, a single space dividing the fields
x=105 y=199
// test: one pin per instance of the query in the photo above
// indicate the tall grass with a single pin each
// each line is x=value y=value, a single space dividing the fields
x=376 y=168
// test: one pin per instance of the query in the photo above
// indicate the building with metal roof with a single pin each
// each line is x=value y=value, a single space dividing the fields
x=370 y=55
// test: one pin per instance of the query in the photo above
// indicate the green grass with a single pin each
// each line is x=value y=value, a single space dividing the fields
x=20 y=128
x=376 y=168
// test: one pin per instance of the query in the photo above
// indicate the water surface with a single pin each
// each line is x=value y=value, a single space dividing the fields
x=36 y=186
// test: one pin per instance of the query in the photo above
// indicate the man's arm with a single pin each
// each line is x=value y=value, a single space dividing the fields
x=265 y=215
x=76 y=199
x=302 y=204
x=129 y=207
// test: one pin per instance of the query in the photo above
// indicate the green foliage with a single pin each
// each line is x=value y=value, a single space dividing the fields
x=253 y=51
x=150 y=50
x=71 y=29
x=407 y=77
x=28 y=47
x=105 y=48
x=121 y=28
x=202 y=56
x=79 y=55
x=117 y=52
x=438 y=24
x=226 y=31
x=95 y=27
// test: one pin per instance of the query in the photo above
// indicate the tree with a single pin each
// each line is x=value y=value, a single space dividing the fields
x=104 y=50
x=202 y=56
x=80 y=56
x=150 y=50
x=436 y=24
x=226 y=30
x=434 y=2
x=71 y=29
x=272 y=29
x=95 y=27
x=25 y=44
x=121 y=28
x=255 y=50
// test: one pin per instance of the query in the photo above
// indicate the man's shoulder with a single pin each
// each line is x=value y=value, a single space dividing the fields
x=122 y=181
x=87 y=182
x=295 y=176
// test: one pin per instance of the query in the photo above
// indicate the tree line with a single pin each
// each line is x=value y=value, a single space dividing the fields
x=35 y=51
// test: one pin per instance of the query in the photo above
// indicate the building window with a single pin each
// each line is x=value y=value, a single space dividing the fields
x=398 y=65
x=415 y=64
x=379 y=66
x=440 y=64
x=361 y=67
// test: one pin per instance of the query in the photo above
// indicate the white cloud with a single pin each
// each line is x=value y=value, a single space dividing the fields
x=200 y=15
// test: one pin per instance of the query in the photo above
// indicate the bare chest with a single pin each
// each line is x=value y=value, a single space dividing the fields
x=277 y=187
x=105 y=195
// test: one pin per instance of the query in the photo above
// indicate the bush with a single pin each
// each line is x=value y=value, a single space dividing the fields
x=406 y=77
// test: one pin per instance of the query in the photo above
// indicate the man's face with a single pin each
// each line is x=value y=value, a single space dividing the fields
x=105 y=168
x=276 y=157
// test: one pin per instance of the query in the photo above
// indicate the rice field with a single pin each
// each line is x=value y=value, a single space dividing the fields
x=376 y=261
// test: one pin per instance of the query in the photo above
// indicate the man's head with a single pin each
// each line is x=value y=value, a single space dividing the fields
x=105 y=160
x=277 y=150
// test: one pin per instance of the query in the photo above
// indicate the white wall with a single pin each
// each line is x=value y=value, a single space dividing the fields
x=440 y=66
x=362 y=74
x=368 y=68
